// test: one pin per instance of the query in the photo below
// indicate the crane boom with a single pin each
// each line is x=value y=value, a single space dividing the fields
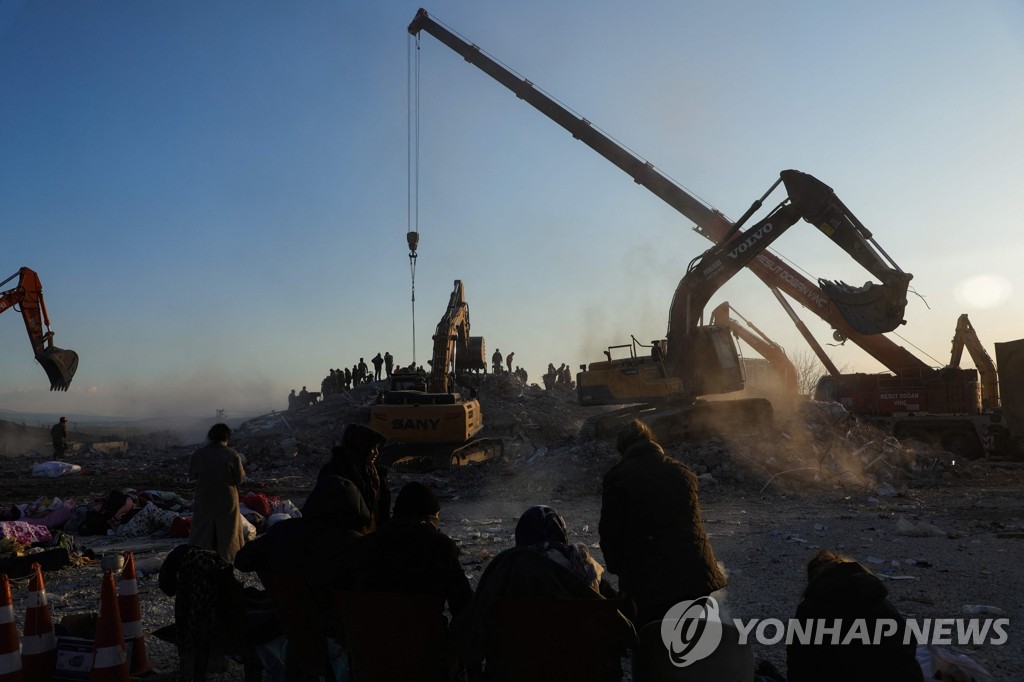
x=709 y=222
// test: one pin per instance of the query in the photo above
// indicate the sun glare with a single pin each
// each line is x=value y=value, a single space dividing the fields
x=982 y=291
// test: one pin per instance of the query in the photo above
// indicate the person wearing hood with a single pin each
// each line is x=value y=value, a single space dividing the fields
x=651 y=530
x=313 y=545
x=542 y=565
x=356 y=460
x=841 y=588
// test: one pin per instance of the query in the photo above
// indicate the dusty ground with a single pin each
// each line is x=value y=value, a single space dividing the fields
x=769 y=504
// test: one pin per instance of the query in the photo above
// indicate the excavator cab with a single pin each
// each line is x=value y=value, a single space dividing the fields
x=60 y=366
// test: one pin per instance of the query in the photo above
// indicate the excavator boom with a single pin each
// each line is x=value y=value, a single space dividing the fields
x=59 y=364
x=848 y=309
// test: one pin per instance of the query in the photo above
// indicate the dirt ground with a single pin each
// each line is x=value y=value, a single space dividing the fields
x=767 y=513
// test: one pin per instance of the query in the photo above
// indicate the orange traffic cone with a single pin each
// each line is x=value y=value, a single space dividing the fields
x=131 y=617
x=10 y=648
x=109 y=660
x=38 y=643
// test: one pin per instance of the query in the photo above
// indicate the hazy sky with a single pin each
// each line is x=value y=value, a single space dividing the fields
x=215 y=194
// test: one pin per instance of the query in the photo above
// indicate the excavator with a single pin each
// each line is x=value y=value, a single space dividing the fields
x=427 y=424
x=60 y=364
x=698 y=360
x=785 y=374
x=969 y=412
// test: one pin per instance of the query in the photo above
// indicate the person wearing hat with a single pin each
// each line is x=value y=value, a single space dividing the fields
x=651 y=531
x=356 y=460
x=59 y=436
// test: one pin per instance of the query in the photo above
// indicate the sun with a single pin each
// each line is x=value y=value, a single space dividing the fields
x=982 y=291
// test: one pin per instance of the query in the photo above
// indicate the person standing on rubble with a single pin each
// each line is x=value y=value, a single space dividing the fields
x=651 y=530
x=217 y=471
x=59 y=436
x=389 y=363
x=347 y=381
x=378 y=362
x=508 y=361
x=496 y=361
x=356 y=460
x=364 y=371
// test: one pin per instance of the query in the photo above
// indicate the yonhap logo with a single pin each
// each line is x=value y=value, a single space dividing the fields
x=691 y=630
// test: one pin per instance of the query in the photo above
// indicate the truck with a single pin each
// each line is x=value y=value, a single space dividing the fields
x=969 y=412
x=697 y=360
x=60 y=364
x=427 y=423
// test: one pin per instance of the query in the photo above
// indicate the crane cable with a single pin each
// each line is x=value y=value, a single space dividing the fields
x=413 y=170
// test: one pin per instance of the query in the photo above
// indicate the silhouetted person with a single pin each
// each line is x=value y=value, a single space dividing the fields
x=364 y=371
x=59 y=437
x=389 y=363
x=496 y=361
x=841 y=588
x=508 y=361
x=409 y=554
x=378 y=362
x=356 y=460
x=651 y=531
x=217 y=471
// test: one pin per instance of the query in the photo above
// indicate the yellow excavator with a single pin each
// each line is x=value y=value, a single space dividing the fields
x=426 y=422
x=667 y=387
x=60 y=364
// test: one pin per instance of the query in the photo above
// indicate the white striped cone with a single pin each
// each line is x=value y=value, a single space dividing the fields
x=109 y=661
x=10 y=648
x=131 y=617
x=38 y=643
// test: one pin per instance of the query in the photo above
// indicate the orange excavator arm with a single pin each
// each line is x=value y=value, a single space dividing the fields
x=60 y=365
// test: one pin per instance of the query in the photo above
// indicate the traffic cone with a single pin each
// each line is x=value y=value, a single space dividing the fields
x=10 y=648
x=109 y=661
x=131 y=617
x=38 y=643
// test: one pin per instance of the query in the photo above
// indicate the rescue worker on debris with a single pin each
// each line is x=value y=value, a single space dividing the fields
x=378 y=362
x=347 y=381
x=508 y=361
x=496 y=361
x=651 y=530
x=364 y=371
x=389 y=363
x=355 y=375
x=59 y=436
x=356 y=460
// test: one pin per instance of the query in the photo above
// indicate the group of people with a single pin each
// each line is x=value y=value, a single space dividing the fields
x=561 y=377
x=652 y=536
x=339 y=380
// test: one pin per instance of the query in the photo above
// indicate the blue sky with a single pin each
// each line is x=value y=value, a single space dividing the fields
x=215 y=194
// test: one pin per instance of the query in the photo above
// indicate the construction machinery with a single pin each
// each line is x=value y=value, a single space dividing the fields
x=60 y=364
x=970 y=412
x=698 y=360
x=426 y=422
x=783 y=375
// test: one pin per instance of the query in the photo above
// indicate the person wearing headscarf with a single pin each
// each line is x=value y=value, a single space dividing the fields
x=356 y=460
x=841 y=588
x=315 y=544
x=652 y=535
x=410 y=555
x=542 y=565
x=217 y=471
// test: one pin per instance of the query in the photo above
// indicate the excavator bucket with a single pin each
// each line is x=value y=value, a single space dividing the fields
x=60 y=366
x=872 y=308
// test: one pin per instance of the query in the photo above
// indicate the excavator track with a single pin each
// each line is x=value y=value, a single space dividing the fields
x=424 y=457
x=675 y=422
